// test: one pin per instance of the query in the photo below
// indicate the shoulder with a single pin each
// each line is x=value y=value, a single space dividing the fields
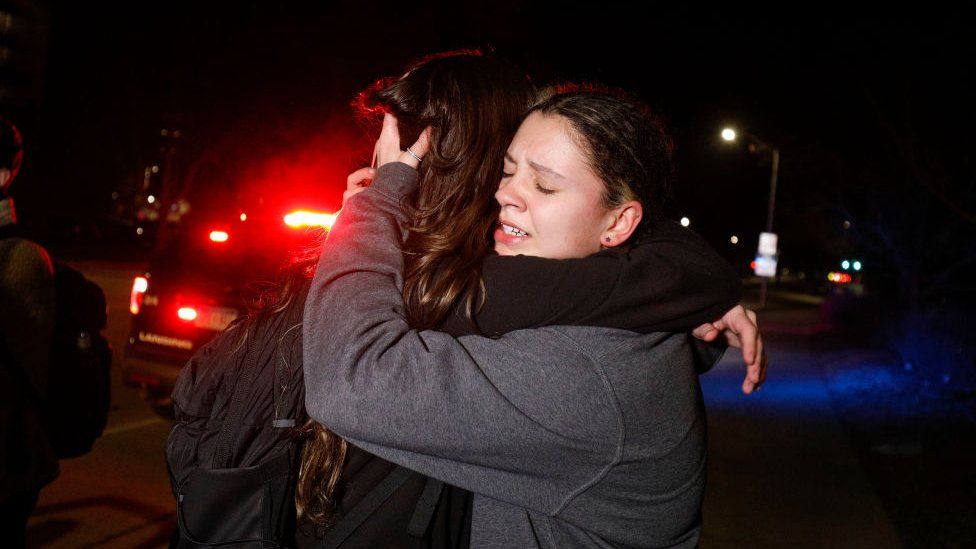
x=24 y=260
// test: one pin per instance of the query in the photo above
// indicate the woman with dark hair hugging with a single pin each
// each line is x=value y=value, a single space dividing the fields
x=562 y=388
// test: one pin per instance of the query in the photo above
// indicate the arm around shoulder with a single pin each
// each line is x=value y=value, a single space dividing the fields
x=499 y=417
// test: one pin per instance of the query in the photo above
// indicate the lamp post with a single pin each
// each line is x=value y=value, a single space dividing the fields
x=757 y=146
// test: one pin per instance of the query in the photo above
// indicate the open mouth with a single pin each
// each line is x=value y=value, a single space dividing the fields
x=512 y=230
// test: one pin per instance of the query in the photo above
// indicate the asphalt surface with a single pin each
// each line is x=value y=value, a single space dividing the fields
x=782 y=472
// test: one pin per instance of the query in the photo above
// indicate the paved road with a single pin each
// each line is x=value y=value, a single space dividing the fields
x=781 y=474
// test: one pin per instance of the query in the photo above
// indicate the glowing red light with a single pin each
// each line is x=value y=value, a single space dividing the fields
x=139 y=287
x=187 y=313
x=839 y=278
x=304 y=218
x=752 y=265
x=219 y=236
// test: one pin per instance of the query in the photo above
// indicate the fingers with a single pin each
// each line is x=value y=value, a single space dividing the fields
x=743 y=331
x=360 y=178
x=388 y=144
x=705 y=332
x=422 y=145
x=745 y=326
x=756 y=371
x=415 y=153
x=357 y=182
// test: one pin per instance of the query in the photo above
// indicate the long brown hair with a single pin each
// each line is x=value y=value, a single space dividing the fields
x=473 y=103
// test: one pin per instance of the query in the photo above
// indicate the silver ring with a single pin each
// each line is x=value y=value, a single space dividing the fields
x=413 y=154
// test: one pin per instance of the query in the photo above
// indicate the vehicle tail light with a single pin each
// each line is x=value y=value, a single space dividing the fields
x=304 y=218
x=139 y=286
x=219 y=236
x=839 y=278
x=187 y=313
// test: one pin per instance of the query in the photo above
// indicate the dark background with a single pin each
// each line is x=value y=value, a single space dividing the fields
x=873 y=115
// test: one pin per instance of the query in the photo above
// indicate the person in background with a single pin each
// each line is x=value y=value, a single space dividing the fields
x=27 y=302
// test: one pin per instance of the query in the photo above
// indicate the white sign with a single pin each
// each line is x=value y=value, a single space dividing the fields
x=766 y=266
x=768 y=243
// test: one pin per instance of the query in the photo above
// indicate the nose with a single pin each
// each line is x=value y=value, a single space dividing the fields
x=508 y=194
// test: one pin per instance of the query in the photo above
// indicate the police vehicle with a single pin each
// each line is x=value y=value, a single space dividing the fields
x=196 y=284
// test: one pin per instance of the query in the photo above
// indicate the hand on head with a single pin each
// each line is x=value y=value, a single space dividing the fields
x=388 y=145
x=387 y=150
x=738 y=327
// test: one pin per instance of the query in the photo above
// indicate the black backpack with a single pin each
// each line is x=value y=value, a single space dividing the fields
x=75 y=408
x=233 y=454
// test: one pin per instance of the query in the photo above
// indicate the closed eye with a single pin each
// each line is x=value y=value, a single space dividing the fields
x=544 y=190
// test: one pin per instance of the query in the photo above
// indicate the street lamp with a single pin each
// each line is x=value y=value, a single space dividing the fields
x=757 y=145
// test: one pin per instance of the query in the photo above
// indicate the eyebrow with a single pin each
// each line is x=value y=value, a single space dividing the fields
x=540 y=168
x=537 y=167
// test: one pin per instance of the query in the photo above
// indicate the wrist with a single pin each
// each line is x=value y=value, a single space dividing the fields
x=395 y=180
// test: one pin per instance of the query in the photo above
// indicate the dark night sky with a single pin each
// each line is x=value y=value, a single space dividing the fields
x=264 y=88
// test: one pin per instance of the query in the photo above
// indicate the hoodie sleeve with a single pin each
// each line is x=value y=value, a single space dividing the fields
x=525 y=418
x=671 y=282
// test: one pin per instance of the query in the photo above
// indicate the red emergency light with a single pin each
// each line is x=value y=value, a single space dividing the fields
x=305 y=218
x=139 y=286
x=219 y=236
x=187 y=313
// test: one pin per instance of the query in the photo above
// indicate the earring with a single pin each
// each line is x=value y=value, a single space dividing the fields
x=608 y=239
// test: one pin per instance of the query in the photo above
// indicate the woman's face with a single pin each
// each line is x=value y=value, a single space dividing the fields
x=551 y=201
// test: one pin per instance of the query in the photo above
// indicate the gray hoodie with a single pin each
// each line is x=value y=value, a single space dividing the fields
x=569 y=436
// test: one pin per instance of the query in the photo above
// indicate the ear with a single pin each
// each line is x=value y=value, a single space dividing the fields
x=623 y=222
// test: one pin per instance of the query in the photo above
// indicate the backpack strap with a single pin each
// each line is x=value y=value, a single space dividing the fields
x=425 y=508
x=232 y=421
x=358 y=514
x=288 y=376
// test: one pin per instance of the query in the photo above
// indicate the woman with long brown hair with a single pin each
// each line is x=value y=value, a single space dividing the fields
x=474 y=102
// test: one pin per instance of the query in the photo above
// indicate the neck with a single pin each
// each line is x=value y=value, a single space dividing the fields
x=7 y=214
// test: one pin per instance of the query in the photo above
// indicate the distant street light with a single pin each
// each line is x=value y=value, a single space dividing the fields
x=757 y=145
x=685 y=222
x=734 y=239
